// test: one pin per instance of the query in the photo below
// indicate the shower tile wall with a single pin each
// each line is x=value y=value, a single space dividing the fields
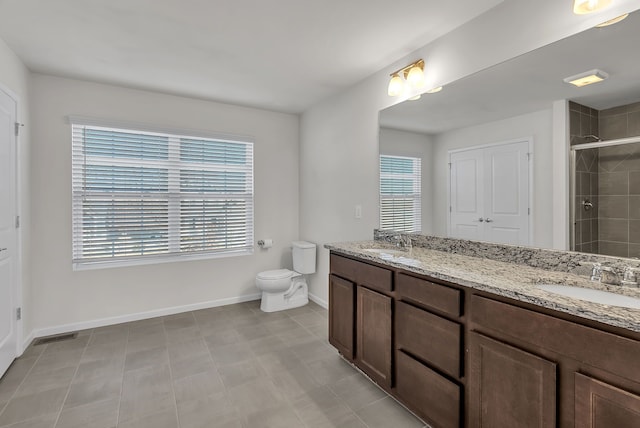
x=609 y=178
x=619 y=183
x=584 y=123
x=619 y=122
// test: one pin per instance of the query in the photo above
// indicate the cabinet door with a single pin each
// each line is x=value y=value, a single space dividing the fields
x=341 y=315
x=373 y=332
x=600 y=405
x=509 y=387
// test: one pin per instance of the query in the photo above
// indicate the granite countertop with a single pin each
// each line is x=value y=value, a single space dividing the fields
x=501 y=278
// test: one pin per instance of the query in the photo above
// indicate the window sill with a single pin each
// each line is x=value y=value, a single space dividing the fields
x=105 y=264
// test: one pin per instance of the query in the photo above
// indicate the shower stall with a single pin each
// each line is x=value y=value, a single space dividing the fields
x=605 y=180
x=606 y=197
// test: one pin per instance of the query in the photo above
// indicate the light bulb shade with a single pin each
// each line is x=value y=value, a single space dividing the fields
x=396 y=86
x=582 y=7
x=415 y=77
x=612 y=21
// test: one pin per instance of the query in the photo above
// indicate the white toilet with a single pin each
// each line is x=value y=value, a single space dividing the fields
x=285 y=289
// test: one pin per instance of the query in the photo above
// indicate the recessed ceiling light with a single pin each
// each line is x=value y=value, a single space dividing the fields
x=434 y=90
x=587 y=78
x=612 y=21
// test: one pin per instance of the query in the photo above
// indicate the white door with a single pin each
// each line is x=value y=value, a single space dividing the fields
x=8 y=233
x=467 y=195
x=507 y=184
x=489 y=194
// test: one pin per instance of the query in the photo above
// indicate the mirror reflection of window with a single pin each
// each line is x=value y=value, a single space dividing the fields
x=400 y=193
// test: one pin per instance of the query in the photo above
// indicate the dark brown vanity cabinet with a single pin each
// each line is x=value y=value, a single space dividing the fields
x=429 y=343
x=529 y=368
x=373 y=335
x=341 y=315
x=459 y=357
x=509 y=387
x=601 y=405
x=360 y=321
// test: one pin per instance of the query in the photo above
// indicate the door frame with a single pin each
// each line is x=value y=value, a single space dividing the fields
x=18 y=201
x=529 y=140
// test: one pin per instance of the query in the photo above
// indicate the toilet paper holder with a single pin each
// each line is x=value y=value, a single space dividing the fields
x=265 y=243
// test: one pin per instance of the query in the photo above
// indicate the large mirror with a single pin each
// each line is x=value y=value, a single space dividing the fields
x=485 y=149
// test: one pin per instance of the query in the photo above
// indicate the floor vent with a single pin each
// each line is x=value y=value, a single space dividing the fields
x=55 y=338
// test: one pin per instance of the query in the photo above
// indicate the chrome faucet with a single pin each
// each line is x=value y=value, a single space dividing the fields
x=630 y=277
x=403 y=241
x=596 y=272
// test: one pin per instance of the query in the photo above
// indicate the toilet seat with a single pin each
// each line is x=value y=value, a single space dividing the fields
x=275 y=274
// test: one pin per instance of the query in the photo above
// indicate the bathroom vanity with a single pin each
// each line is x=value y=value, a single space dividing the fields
x=469 y=342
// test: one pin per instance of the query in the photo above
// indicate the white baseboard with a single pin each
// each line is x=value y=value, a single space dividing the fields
x=27 y=342
x=318 y=300
x=102 y=322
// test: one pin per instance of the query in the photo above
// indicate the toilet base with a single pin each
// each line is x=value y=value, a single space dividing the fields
x=296 y=296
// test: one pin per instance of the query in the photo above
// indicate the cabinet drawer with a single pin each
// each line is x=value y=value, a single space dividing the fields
x=429 y=337
x=608 y=351
x=430 y=295
x=370 y=276
x=431 y=396
x=343 y=267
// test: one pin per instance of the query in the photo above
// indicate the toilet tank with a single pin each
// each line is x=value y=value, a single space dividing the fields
x=304 y=257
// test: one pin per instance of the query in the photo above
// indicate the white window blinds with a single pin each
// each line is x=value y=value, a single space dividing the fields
x=139 y=197
x=400 y=193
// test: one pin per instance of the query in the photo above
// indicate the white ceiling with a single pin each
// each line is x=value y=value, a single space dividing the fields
x=282 y=55
x=532 y=82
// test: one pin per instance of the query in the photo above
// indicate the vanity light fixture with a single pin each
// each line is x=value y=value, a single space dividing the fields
x=412 y=75
x=612 y=21
x=396 y=84
x=587 y=78
x=582 y=7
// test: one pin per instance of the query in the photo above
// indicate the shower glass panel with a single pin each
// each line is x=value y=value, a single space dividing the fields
x=605 y=211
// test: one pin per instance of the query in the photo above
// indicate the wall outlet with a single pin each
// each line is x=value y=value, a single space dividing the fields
x=358 y=211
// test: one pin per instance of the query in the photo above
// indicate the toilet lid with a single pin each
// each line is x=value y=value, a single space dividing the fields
x=275 y=274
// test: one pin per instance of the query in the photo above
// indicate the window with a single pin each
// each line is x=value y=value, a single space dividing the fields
x=400 y=199
x=143 y=197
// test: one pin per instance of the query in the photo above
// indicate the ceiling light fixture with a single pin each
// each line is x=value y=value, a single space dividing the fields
x=434 y=90
x=587 y=78
x=582 y=7
x=612 y=21
x=412 y=74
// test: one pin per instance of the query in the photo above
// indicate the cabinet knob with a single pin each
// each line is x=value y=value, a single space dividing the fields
x=488 y=220
x=480 y=219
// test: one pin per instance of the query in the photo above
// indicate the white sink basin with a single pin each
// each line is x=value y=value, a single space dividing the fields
x=383 y=251
x=397 y=256
x=595 y=296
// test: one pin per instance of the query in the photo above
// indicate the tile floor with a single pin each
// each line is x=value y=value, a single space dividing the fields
x=231 y=366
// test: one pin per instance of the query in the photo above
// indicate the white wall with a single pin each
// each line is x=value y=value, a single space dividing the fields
x=538 y=126
x=15 y=77
x=403 y=143
x=64 y=297
x=339 y=148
